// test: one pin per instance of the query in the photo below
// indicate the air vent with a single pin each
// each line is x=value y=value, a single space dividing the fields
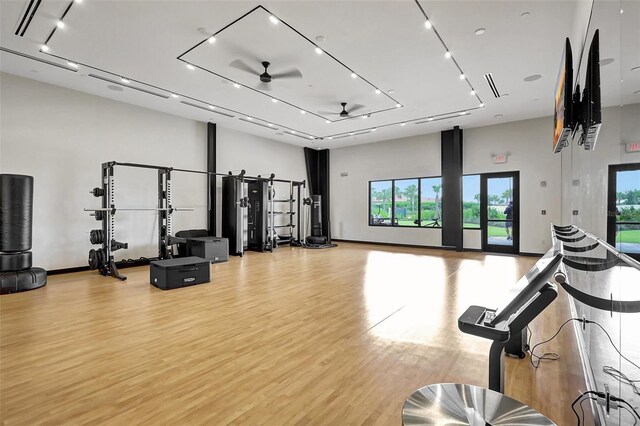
x=160 y=95
x=44 y=61
x=258 y=124
x=296 y=134
x=492 y=85
x=29 y=13
x=206 y=109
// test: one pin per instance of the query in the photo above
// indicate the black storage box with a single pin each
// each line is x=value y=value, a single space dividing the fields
x=181 y=272
x=213 y=249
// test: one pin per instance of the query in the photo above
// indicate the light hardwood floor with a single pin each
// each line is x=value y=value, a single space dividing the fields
x=337 y=336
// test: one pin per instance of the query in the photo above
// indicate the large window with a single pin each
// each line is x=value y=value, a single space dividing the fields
x=431 y=202
x=380 y=201
x=406 y=202
x=471 y=201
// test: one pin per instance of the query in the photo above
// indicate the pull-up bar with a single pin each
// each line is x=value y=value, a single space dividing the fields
x=241 y=175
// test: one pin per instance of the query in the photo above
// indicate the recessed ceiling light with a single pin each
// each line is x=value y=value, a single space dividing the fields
x=463 y=113
x=351 y=133
x=374 y=129
x=318 y=50
x=330 y=137
x=78 y=1
x=427 y=24
x=191 y=67
x=403 y=124
x=536 y=100
x=523 y=14
x=273 y=19
x=480 y=31
x=505 y=94
x=212 y=107
x=447 y=54
x=236 y=85
x=173 y=95
x=532 y=77
x=606 y=61
x=303 y=112
x=354 y=75
x=391 y=91
x=320 y=38
x=621 y=11
x=293 y=131
x=378 y=91
x=60 y=24
x=481 y=105
x=270 y=125
x=125 y=80
x=462 y=76
x=635 y=68
x=211 y=39
x=249 y=118
x=498 y=115
x=44 y=48
x=310 y=137
x=430 y=119
x=327 y=121
x=473 y=93
x=398 y=105
x=72 y=64
x=274 y=100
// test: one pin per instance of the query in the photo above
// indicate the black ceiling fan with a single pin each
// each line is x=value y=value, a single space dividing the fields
x=344 y=113
x=265 y=77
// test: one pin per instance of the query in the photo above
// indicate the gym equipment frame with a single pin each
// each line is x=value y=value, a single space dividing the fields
x=103 y=258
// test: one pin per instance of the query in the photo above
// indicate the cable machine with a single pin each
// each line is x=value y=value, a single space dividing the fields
x=250 y=209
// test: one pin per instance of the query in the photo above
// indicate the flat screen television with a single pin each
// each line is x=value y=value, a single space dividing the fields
x=563 y=115
x=591 y=116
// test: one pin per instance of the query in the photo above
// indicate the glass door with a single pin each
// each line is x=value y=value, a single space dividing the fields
x=623 y=209
x=499 y=212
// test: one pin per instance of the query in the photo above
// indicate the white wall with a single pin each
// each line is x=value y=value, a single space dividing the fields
x=258 y=156
x=401 y=158
x=62 y=136
x=586 y=172
x=529 y=143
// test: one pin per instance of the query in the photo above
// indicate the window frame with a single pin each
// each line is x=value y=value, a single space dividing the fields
x=393 y=209
x=479 y=228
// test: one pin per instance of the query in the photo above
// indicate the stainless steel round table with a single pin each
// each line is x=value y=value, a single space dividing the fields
x=456 y=404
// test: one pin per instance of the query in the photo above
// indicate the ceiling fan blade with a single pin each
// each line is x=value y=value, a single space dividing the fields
x=264 y=87
x=242 y=66
x=355 y=107
x=292 y=73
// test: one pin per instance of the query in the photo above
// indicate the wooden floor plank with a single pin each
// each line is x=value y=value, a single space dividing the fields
x=339 y=336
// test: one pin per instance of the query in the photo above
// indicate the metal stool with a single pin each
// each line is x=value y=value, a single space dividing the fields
x=457 y=404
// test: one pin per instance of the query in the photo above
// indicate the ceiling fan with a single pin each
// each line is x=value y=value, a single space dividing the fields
x=344 y=113
x=265 y=77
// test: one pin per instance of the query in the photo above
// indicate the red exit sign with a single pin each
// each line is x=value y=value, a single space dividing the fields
x=633 y=147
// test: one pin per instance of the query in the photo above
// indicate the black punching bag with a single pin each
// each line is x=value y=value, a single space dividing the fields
x=316 y=215
x=16 y=212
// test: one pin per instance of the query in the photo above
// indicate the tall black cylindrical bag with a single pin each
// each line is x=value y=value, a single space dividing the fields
x=16 y=212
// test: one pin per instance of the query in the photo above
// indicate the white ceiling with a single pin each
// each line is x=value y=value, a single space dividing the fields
x=384 y=42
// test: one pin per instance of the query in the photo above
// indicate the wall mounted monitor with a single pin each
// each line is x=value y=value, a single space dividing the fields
x=591 y=119
x=563 y=115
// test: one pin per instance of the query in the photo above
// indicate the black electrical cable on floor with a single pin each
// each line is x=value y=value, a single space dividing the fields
x=548 y=355
x=579 y=398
